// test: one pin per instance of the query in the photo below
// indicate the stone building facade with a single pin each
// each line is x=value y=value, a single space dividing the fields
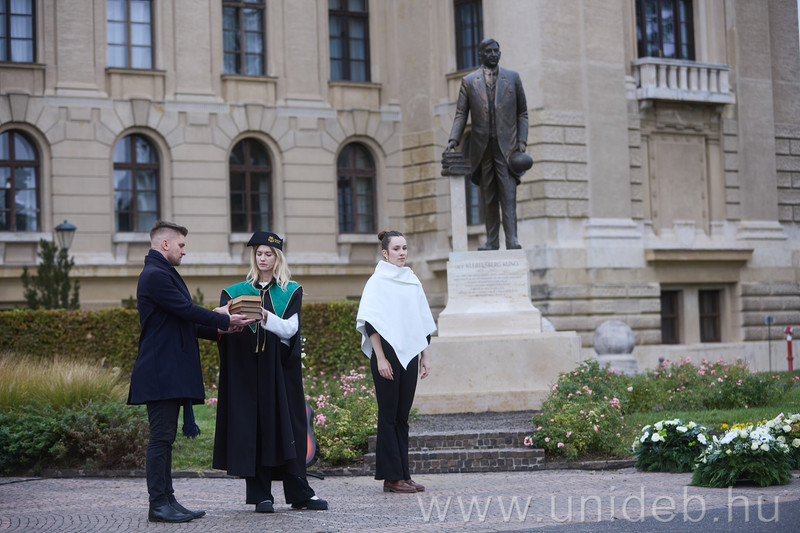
x=665 y=133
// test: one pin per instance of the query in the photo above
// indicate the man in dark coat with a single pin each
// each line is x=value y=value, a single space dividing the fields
x=496 y=100
x=167 y=373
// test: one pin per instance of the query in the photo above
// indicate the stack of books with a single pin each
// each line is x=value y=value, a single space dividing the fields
x=248 y=305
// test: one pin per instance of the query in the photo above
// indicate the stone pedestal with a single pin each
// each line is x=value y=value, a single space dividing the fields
x=494 y=373
x=490 y=353
x=489 y=293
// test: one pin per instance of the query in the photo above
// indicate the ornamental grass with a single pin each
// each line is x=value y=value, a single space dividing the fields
x=56 y=383
x=66 y=414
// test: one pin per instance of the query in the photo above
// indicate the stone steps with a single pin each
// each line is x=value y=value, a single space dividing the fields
x=466 y=451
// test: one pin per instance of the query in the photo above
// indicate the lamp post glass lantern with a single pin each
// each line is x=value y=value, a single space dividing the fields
x=65 y=232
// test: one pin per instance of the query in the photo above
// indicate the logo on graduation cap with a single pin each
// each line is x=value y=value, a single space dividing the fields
x=266 y=238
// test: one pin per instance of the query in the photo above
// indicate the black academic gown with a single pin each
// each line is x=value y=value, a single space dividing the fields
x=261 y=403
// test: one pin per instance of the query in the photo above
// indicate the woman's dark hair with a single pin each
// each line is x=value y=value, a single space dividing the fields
x=386 y=236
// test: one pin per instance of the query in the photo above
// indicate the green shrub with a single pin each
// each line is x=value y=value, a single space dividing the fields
x=711 y=385
x=345 y=413
x=586 y=384
x=103 y=434
x=330 y=340
x=572 y=429
x=111 y=337
x=583 y=415
x=669 y=446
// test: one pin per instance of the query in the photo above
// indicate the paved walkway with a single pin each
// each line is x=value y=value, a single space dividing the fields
x=564 y=500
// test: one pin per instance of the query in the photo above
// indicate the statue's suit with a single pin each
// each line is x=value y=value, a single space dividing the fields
x=489 y=147
x=511 y=112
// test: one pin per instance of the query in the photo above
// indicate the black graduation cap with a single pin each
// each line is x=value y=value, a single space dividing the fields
x=267 y=238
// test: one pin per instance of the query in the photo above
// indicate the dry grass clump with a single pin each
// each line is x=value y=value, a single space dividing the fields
x=57 y=383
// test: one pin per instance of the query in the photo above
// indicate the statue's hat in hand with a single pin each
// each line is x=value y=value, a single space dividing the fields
x=519 y=162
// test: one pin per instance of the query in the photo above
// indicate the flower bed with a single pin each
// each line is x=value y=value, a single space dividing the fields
x=584 y=414
x=751 y=453
x=345 y=413
x=669 y=446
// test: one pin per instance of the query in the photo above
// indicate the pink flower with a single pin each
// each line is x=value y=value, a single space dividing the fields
x=547 y=439
x=595 y=428
x=630 y=389
x=569 y=433
x=211 y=401
x=560 y=444
x=528 y=441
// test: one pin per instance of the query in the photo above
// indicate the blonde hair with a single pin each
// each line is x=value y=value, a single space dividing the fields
x=280 y=271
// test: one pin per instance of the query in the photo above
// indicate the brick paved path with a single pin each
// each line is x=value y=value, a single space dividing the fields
x=358 y=503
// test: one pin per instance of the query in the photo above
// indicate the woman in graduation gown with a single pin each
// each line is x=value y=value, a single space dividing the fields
x=261 y=418
x=396 y=326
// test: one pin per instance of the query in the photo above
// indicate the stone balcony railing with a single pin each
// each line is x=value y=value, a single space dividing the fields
x=680 y=80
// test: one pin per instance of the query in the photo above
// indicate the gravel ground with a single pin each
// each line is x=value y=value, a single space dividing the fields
x=490 y=421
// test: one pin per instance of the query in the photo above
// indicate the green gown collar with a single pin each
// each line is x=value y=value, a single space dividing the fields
x=279 y=297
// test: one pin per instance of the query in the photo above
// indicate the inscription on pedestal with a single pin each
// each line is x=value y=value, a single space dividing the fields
x=487 y=279
x=488 y=293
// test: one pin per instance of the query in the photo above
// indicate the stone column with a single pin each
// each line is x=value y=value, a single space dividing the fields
x=455 y=166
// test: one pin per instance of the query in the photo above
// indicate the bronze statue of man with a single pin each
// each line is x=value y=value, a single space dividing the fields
x=497 y=141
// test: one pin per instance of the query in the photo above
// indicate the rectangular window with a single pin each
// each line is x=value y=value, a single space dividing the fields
x=709 y=303
x=130 y=33
x=469 y=32
x=348 y=25
x=664 y=28
x=670 y=317
x=17 y=31
x=243 y=39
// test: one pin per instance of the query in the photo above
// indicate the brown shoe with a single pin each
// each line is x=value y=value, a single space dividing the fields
x=398 y=486
x=417 y=486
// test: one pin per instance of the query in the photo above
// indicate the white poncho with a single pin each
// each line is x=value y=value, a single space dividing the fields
x=394 y=303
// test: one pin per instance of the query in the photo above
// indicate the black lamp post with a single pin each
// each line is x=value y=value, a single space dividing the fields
x=65 y=232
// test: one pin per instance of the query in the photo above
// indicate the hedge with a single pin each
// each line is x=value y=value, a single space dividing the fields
x=111 y=336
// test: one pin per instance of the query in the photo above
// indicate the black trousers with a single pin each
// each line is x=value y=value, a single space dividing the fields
x=163 y=417
x=395 y=397
x=259 y=488
x=499 y=190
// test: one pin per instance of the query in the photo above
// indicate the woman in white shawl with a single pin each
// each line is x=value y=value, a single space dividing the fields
x=396 y=326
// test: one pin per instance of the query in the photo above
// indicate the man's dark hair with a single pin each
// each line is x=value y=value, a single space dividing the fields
x=485 y=43
x=164 y=224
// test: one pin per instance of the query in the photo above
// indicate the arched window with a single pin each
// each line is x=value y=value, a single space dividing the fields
x=19 y=183
x=136 y=171
x=356 y=189
x=251 y=187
